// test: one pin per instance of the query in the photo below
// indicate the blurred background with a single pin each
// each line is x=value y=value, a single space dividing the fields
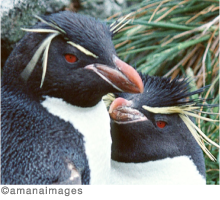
x=161 y=37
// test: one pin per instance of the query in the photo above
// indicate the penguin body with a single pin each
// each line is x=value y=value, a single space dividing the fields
x=154 y=148
x=38 y=147
x=95 y=131
x=52 y=82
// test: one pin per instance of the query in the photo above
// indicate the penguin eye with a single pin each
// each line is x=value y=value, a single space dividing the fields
x=70 y=58
x=161 y=124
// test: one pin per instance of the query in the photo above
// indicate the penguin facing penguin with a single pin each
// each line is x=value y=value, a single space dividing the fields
x=54 y=121
x=154 y=140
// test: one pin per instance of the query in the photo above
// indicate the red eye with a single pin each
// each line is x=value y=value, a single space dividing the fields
x=161 y=124
x=70 y=58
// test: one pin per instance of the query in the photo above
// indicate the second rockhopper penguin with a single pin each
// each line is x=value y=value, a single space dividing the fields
x=154 y=140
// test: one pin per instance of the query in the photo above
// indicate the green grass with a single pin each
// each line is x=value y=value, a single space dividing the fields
x=177 y=37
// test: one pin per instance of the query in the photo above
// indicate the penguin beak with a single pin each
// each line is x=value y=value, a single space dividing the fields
x=124 y=77
x=122 y=113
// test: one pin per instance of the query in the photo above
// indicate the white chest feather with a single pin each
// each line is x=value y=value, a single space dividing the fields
x=94 y=124
x=169 y=171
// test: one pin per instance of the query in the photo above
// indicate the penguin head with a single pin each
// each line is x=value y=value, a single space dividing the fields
x=156 y=124
x=70 y=56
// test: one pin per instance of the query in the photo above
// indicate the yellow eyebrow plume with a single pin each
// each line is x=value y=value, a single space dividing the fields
x=82 y=49
x=184 y=113
x=31 y=65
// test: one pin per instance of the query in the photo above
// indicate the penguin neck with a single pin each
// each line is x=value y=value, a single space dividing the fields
x=94 y=124
x=177 y=170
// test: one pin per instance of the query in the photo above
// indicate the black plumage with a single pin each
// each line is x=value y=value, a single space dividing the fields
x=32 y=157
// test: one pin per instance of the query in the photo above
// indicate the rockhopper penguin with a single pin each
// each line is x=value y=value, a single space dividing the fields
x=154 y=140
x=55 y=126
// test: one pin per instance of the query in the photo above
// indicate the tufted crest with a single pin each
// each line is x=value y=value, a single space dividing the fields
x=166 y=96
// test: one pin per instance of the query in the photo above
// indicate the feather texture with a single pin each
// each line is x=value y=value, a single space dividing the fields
x=166 y=96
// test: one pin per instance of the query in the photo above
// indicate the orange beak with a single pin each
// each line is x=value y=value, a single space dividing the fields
x=124 y=77
x=121 y=112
